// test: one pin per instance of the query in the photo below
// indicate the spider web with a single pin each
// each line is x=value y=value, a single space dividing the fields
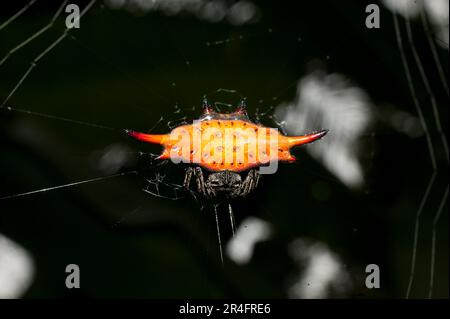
x=53 y=34
x=159 y=179
x=430 y=144
x=156 y=182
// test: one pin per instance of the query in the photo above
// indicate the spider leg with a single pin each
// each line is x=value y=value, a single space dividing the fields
x=249 y=183
x=197 y=173
x=202 y=186
x=188 y=177
x=256 y=178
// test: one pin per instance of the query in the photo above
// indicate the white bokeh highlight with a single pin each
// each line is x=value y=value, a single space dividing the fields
x=323 y=271
x=16 y=269
x=251 y=231
x=236 y=13
x=330 y=101
x=437 y=12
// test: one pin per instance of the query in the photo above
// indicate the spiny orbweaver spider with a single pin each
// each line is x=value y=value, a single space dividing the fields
x=225 y=146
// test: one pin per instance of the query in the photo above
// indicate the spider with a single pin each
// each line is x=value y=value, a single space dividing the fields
x=224 y=150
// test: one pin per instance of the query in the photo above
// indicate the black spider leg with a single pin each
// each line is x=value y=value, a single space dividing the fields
x=202 y=191
x=249 y=183
x=218 y=233
x=202 y=187
x=206 y=191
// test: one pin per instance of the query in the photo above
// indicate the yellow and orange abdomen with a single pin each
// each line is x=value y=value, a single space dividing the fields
x=226 y=144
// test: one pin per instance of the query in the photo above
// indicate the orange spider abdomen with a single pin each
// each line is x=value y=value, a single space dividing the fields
x=226 y=144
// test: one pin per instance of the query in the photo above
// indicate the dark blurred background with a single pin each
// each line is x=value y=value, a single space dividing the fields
x=309 y=231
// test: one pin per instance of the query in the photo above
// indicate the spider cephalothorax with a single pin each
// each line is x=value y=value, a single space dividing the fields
x=226 y=183
x=228 y=147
